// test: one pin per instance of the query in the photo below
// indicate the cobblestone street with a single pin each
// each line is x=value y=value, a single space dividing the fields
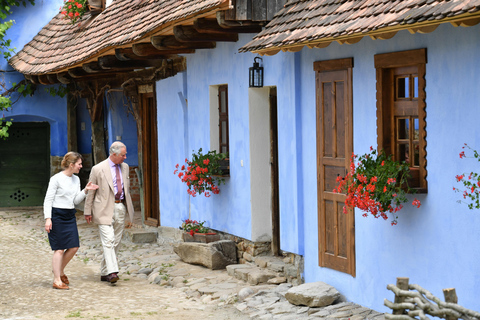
x=154 y=282
x=26 y=279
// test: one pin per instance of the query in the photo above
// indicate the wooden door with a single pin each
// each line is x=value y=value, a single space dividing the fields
x=149 y=160
x=25 y=164
x=336 y=230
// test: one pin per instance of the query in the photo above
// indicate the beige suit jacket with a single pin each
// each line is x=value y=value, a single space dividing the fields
x=101 y=202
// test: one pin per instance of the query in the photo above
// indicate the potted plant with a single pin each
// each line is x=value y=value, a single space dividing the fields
x=203 y=173
x=195 y=231
x=73 y=10
x=470 y=181
x=377 y=184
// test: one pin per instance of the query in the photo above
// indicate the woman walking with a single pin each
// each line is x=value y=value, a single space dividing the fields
x=63 y=194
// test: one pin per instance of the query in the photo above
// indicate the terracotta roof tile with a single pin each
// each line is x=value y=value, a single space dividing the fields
x=60 y=45
x=302 y=22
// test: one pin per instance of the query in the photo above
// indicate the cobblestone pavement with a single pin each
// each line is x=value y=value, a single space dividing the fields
x=26 y=278
x=154 y=282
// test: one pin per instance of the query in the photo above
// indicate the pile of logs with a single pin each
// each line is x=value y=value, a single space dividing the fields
x=414 y=305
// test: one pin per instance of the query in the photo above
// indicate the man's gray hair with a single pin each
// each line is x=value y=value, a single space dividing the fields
x=116 y=147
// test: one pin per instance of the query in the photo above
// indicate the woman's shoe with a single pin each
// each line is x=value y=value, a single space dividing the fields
x=63 y=286
x=64 y=279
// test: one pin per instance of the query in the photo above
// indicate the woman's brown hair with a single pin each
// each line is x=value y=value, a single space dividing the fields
x=70 y=157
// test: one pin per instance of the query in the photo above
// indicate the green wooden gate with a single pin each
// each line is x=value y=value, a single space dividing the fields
x=25 y=164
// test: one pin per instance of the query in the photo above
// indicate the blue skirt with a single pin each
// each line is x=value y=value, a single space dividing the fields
x=64 y=233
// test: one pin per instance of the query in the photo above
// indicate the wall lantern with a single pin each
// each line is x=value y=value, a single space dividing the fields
x=255 y=74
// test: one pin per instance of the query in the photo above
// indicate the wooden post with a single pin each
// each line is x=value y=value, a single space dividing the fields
x=450 y=296
x=402 y=284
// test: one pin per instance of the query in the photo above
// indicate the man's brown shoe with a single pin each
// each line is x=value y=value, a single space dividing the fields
x=63 y=286
x=112 y=277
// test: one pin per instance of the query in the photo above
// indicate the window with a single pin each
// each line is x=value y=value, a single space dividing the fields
x=223 y=118
x=401 y=110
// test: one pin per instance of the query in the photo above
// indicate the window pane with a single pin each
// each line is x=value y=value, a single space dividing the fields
x=416 y=129
x=416 y=155
x=403 y=153
x=224 y=131
x=402 y=125
x=223 y=102
x=224 y=149
x=415 y=87
x=402 y=88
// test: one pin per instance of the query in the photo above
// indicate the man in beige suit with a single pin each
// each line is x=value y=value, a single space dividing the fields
x=108 y=205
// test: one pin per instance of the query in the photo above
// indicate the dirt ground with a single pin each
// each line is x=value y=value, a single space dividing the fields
x=26 y=283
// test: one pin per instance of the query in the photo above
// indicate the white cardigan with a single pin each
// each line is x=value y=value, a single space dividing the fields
x=63 y=192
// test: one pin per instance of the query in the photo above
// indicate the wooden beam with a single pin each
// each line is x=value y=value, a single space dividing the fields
x=204 y=25
x=170 y=43
x=384 y=36
x=145 y=49
x=111 y=62
x=466 y=22
x=77 y=72
x=43 y=79
x=225 y=22
x=127 y=54
x=52 y=78
x=189 y=34
x=64 y=77
x=92 y=67
x=424 y=29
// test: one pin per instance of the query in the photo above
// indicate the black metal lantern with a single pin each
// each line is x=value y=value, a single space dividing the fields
x=255 y=74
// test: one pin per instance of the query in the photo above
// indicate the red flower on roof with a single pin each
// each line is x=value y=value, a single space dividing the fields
x=73 y=10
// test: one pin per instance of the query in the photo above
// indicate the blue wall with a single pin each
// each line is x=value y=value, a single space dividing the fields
x=436 y=246
x=41 y=107
x=233 y=202
x=121 y=123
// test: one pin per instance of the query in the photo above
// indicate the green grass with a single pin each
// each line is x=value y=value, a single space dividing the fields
x=73 y=314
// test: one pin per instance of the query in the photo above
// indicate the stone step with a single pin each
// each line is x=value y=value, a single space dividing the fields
x=255 y=275
x=141 y=235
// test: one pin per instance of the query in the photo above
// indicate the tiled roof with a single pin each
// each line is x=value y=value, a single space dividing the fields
x=60 y=44
x=318 y=22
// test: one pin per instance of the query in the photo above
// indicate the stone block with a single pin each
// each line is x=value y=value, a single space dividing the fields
x=214 y=255
x=141 y=235
x=247 y=256
x=260 y=276
x=315 y=294
x=231 y=269
x=262 y=261
x=242 y=274
x=276 y=266
x=277 y=280
x=290 y=270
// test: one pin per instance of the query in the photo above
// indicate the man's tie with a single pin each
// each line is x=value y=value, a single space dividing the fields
x=119 y=183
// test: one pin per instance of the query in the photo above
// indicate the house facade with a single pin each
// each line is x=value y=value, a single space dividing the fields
x=337 y=79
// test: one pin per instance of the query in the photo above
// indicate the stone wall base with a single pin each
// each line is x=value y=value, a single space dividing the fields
x=248 y=252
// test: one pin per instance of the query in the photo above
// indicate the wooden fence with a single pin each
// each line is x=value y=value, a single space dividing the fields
x=414 y=305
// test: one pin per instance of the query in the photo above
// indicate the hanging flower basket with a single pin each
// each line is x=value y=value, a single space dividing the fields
x=376 y=184
x=203 y=173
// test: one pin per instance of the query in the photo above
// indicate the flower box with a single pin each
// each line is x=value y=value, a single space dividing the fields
x=201 y=237
x=225 y=167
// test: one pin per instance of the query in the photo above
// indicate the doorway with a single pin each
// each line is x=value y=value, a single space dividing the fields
x=149 y=159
